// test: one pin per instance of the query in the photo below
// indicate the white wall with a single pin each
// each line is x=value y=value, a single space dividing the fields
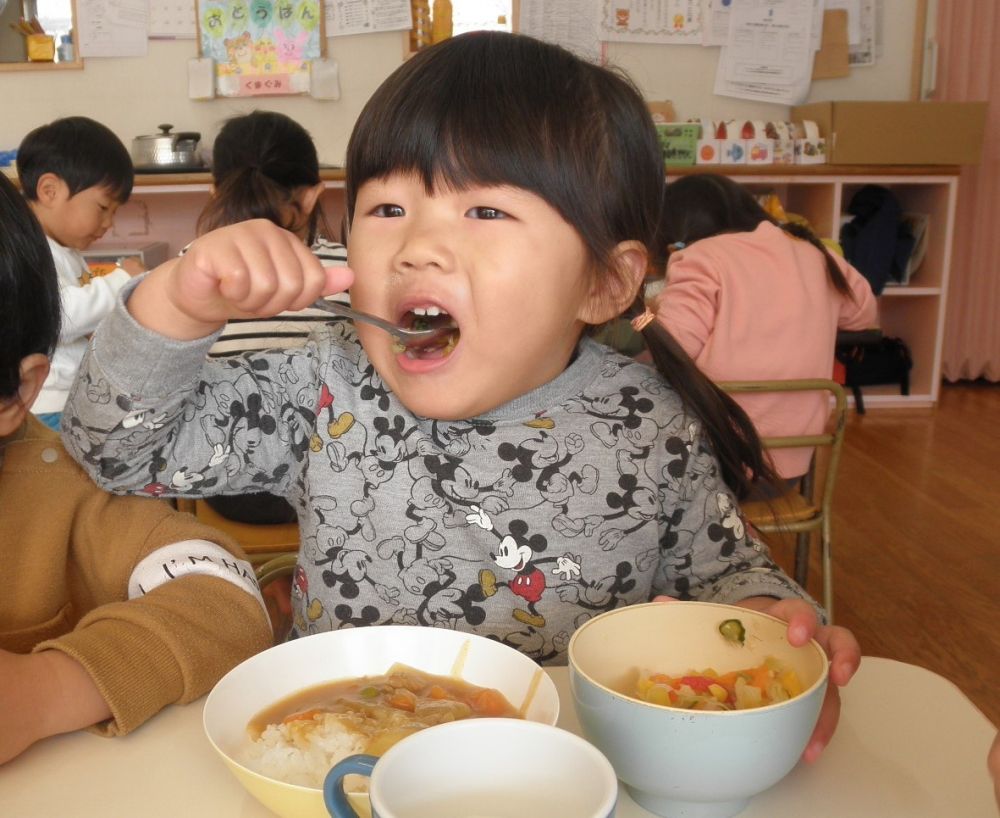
x=134 y=95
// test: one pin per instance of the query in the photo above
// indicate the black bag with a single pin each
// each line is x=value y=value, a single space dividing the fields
x=887 y=360
x=878 y=241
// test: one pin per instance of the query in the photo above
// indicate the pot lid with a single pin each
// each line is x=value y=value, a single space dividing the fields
x=165 y=133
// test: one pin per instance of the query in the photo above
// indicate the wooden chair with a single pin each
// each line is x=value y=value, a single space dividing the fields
x=260 y=542
x=802 y=511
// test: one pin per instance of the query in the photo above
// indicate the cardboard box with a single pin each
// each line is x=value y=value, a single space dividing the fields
x=899 y=133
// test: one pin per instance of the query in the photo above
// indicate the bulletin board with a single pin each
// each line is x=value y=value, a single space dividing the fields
x=261 y=47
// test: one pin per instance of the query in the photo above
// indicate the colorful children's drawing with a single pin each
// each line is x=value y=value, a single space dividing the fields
x=261 y=46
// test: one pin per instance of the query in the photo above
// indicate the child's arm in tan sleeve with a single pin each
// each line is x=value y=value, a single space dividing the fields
x=173 y=612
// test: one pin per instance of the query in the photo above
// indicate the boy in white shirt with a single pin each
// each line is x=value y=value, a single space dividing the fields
x=75 y=173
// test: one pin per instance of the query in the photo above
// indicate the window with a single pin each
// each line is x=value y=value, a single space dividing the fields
x=466 y=15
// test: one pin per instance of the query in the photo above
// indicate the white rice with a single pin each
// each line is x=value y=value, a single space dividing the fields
x=302 y=752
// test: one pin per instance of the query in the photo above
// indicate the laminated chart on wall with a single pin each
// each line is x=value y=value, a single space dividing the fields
x=366 y=16
x=261 y=47
x=172 y=19
x=664 y=21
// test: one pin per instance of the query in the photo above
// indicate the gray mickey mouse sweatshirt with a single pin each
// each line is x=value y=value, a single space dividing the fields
x=593 y=491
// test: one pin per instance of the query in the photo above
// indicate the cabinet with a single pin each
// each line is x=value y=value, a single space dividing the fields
x=166 y=207
x=914 y=312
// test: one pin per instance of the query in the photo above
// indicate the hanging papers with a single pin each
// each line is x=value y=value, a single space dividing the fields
x=769 y=53
x=112 y=28
x=366 y=16
x=570 y=23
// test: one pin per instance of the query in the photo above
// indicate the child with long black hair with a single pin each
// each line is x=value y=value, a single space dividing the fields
x=749 y=299
x=265 y=166
x=512 y=478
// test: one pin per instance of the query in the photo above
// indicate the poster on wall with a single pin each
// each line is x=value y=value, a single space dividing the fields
x=261 y=47
x=367 y=16
x=669 y=22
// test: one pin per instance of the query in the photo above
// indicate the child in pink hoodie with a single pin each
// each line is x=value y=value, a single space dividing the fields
x=749 y=299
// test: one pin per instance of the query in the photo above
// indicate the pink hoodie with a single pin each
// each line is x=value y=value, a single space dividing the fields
x=760 y=306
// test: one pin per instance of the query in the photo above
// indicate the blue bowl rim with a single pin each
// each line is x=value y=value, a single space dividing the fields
x=820 y=682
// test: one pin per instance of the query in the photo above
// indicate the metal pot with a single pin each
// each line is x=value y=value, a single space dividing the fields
x=166 y=149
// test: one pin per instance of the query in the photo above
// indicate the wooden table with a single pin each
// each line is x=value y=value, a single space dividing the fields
x=910 y=744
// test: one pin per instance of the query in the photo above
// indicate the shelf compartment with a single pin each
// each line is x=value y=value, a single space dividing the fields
x=914 y=320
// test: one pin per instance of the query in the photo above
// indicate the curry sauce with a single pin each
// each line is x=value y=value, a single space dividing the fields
x=384 y=709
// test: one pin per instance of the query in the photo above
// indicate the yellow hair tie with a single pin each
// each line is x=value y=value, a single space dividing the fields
x=640 y=322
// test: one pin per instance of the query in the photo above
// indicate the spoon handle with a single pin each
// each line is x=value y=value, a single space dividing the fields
x=402 y=335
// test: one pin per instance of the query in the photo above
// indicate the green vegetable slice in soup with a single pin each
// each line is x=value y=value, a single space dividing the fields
x=733 y=631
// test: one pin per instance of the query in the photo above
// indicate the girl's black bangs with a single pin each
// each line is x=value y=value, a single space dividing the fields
x=452 y=146
x=475 y=111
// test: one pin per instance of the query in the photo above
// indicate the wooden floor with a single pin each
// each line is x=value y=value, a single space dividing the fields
x=916 y=538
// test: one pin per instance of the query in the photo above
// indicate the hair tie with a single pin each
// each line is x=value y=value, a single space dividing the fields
x=677 y=245
x=640 y=322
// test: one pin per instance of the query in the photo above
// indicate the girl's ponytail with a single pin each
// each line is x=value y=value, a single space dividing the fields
x=731 y=434
x=260 y=162
x=245 y=193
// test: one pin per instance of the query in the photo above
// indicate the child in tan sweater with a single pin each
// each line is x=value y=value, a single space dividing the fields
x=112 y=607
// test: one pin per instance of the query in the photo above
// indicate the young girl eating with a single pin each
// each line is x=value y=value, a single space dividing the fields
x=513 y=478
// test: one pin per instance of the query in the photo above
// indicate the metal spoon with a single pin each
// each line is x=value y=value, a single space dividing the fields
x=401 y=334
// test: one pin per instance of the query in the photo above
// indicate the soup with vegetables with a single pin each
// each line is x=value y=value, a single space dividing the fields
x=767 y=683
x=300 y=737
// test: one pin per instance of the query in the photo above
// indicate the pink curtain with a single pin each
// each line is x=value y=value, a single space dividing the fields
x=968 y=34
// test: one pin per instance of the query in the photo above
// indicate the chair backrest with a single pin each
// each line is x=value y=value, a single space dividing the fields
x=832 y=436
x=799 y=511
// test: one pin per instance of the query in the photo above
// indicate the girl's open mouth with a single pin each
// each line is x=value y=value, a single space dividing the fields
x=435 y=346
